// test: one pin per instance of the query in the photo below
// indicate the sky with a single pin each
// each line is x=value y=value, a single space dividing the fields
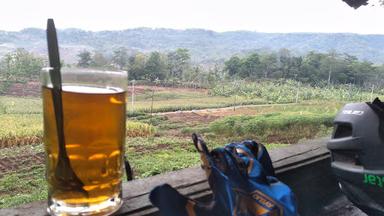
x=217 y=15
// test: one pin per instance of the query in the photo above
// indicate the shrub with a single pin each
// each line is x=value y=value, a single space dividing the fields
x=138 y=129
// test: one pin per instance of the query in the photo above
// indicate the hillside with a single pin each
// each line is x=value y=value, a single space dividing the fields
x=204 y=45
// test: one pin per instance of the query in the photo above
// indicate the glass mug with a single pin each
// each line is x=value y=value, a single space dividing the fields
x=85 y=177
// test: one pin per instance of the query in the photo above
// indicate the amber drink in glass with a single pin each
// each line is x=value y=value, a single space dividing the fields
x=93 y=108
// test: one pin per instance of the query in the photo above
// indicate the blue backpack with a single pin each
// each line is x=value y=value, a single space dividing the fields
x=243 y=182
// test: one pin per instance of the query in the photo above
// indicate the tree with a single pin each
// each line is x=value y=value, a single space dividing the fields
x=284 y=62
x=155 y=67
x=214 y=75
x=378 y=79
x=232 y=66
x=250 y=66
x=136 y=66
x=98 y=60
x=331 y=62
x=295 y=65
x=314 y=69
x=20 y=65
x=362 y=72
x=178 y=63
x=84 y=59
x=120 y=57
x=268 y=64
x=192 y=75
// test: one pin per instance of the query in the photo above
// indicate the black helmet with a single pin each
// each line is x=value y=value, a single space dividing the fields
x=357 y=148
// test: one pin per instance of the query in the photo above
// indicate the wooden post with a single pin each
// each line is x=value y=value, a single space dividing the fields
x=133 y=96
x=234 y=105
x=153 y=93
x=297 y=92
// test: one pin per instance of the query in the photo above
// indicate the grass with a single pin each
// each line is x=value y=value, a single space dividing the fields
x=18 y=105
x=161 y=94
x=262 y=124
x=21 y=129
x=288 y=127
x=189 y=104
x=22 y=187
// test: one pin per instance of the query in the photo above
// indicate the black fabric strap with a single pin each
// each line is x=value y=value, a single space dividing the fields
x=128 y=169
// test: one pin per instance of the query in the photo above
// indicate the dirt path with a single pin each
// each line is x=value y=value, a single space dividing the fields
x=29 y=89
x=234 y=108
x=209 y=115
x=9 y=164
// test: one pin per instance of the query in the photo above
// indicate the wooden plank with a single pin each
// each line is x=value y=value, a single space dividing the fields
x=192 y=181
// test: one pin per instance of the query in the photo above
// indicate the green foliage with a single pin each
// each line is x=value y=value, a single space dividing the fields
x=160 y=154
x=150 y=119
x=136 y=66
x=175 y=67
x=316 y=69
x=155 y=68
x=287 y=91
x=84 y=59
x=120 y=57
x=268 y=65
x=249 y=67
x=4 y=85
x=20 y=66
x=191 y=104
x=313 y=68
x=162 y=161
x=178 y=62
x=261 y=126
x=233 y=66
x=99 y=60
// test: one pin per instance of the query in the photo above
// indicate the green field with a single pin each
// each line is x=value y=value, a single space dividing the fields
x=159 y=143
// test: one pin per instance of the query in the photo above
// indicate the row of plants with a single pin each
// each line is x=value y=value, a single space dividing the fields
x=187 y=107
x=285 y=91
x=27 y=129
x=286 y=127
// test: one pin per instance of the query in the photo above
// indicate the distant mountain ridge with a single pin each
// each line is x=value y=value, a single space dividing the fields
x=204 y=45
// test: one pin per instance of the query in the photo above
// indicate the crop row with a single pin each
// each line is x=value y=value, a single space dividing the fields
x=285 y=91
